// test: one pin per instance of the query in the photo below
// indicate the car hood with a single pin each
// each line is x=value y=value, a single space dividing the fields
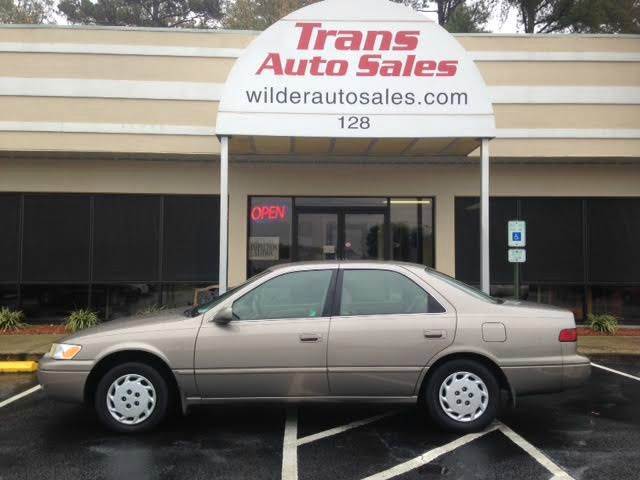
x=164 y=319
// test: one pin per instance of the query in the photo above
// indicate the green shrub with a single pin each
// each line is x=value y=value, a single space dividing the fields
x=150 y=310
x=603 y=323
x=81 y=319
x=11 y=319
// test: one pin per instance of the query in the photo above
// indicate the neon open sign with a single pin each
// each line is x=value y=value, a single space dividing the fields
x=269 y=213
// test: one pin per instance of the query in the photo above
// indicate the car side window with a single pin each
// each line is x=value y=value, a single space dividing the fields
x=383 y=292
x=292 y=295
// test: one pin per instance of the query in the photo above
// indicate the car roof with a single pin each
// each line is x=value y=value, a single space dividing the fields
x=336 y=263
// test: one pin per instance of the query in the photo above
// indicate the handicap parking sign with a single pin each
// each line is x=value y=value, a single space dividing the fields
x=517 y=233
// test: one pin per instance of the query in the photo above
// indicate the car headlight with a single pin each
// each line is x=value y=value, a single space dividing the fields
x=64 y=351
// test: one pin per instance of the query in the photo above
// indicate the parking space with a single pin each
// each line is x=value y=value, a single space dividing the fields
x=592 y=432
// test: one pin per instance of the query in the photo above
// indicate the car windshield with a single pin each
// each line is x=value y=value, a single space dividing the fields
x=475 y=292
x=205 y=307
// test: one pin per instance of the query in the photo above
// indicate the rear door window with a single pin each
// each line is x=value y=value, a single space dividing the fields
x=383 y=292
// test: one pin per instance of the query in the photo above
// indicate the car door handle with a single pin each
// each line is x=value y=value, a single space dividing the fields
x=310 y=337
x=435 y=334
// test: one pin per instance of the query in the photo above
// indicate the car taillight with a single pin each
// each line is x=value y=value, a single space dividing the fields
x=568 y=335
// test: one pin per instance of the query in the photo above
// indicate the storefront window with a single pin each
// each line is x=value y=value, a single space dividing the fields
x=269 y=242
x=9 y=296
x=566 y=296
x=623 y=302
x=123 y=300
x=52 y=303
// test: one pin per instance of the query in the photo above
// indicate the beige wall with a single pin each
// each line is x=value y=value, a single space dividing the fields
x=50 y=101
x=441 y=181
x=81 y=107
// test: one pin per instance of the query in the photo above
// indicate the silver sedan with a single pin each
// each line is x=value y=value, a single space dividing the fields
x=327 y=331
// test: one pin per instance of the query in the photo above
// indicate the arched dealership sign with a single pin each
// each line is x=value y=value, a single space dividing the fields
x=356 y=68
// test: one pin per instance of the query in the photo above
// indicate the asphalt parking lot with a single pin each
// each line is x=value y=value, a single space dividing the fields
x=589 y=433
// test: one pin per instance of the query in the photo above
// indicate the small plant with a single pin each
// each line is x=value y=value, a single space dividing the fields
x=603 y=323
x=11 y=319
x=81 y=319
x=150 y=310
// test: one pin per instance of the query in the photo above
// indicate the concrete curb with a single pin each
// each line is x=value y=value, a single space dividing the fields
x=18 y=367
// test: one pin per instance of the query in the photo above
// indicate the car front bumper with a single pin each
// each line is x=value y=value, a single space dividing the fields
x=64 y=379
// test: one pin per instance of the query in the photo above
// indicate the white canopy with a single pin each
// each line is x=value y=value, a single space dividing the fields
x=356 y=68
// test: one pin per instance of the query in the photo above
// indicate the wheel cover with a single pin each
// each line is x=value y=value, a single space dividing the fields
x=131 y=399
x=463 y=396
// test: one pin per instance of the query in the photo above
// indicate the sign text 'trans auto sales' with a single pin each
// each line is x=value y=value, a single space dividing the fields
x=313 y=38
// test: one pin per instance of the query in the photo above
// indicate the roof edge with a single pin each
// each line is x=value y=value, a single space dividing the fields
x=257 y=32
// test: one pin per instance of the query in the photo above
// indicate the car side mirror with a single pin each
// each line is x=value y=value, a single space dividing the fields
x=224 y=316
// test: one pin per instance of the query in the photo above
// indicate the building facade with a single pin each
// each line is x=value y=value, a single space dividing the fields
x=109 y=174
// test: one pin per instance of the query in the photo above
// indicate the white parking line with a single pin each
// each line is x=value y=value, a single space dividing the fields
x=289 y=446
x=429 y=456
x=344 y=428
x=6 y=402
x=632 y=377
x=541 y=458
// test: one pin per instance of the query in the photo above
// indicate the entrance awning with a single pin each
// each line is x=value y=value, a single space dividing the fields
x=355 y=78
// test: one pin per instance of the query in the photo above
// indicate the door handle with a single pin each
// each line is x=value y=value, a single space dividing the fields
x=310 y=337
x=435 y=334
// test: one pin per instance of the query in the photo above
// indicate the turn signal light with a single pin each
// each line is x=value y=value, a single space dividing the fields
x=568 y=335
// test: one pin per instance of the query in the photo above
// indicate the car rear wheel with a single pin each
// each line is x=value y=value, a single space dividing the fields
x=462 y=396
x=132 y=397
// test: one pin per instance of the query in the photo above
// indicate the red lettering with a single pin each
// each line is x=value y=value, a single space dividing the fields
x=425 y=68
x=272 y=62
x=407 y=40
x=447 y=68
x=305 y=34
x=268 y=212
x=372 y=39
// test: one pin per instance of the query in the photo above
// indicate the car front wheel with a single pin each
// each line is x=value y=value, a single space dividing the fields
x=462 y=396
x=132 y=397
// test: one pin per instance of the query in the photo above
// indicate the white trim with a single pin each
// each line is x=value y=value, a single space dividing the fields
x=221 y=52
x=196 y=130
x=120 y=49
x=160 y=90
x=108 y=128
x=569 y=133
x=610 y=95
x=90 y=88
x=524 y=56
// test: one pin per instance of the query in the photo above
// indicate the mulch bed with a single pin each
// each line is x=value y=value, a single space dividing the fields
x=37 y=330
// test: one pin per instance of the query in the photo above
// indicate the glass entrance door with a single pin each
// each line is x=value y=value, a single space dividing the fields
x=317 y=236
x=363 y=236
x=340 y=234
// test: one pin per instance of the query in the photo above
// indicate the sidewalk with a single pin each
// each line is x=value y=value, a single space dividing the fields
x=25 y=347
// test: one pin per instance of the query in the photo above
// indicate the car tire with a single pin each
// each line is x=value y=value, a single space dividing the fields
x=132 y=397
x=462 y=396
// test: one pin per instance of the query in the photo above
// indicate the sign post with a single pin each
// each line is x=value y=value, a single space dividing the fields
x=516 y=241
